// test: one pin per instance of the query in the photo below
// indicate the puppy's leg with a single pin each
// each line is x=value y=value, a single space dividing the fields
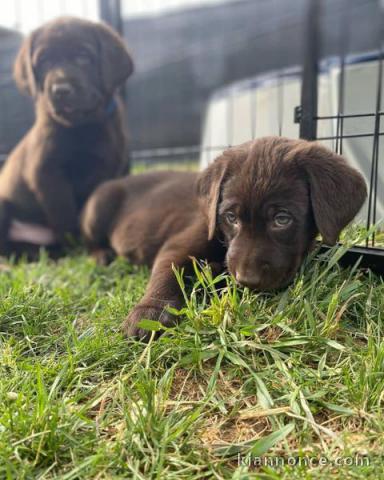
x=98 y=218
x=5 y=222
x=56 y=197
x=163 y=290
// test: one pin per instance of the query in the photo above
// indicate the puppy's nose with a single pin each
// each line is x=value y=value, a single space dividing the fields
x=62 y=91
x=252 y=278
x=247 y=280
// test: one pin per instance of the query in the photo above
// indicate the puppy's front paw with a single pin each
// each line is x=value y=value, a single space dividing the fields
x=131 y=326
x=103 y=256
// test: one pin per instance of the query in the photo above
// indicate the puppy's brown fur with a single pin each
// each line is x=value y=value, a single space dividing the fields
x=72 y=68
x=257 y=208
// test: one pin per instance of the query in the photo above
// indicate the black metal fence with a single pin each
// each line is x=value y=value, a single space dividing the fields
x=309 y=119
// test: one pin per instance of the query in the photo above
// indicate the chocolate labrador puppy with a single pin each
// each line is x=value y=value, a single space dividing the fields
x=72 y=68
x=257 y=209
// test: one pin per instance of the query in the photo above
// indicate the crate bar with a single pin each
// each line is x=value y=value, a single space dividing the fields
x=349 y=115
x=372 y=201
x=110 y=12
x=308 y=124
x=344 y=41
x=352 y=135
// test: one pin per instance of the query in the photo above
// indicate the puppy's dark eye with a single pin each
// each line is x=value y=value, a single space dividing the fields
x=231 y=218
x=83 y=58
x=282 y=219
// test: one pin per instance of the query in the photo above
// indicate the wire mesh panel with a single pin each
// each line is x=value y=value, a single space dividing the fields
x=355 y=85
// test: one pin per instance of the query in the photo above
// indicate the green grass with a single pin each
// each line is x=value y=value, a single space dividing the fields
x=297 y=374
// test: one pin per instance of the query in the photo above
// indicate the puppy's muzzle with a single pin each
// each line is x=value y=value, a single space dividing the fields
x=62 y=92
x=256 y=280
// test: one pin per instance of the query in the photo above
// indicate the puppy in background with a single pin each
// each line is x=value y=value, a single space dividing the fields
x=72 y=68
x=257 y=209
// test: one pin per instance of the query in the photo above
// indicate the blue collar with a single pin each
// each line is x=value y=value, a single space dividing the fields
x=111 y=107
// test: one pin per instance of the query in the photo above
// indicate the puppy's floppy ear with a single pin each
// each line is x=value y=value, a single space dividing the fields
x=337 y=190
x=210 y=182
x=23 y=69
x=116 y=63
x=209 y=185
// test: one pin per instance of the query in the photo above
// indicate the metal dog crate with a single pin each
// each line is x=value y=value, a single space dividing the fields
x=357 y=83
x=218 y=72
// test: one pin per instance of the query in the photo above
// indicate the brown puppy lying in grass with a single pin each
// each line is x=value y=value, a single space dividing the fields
x=72 y=69
x=257 y=209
